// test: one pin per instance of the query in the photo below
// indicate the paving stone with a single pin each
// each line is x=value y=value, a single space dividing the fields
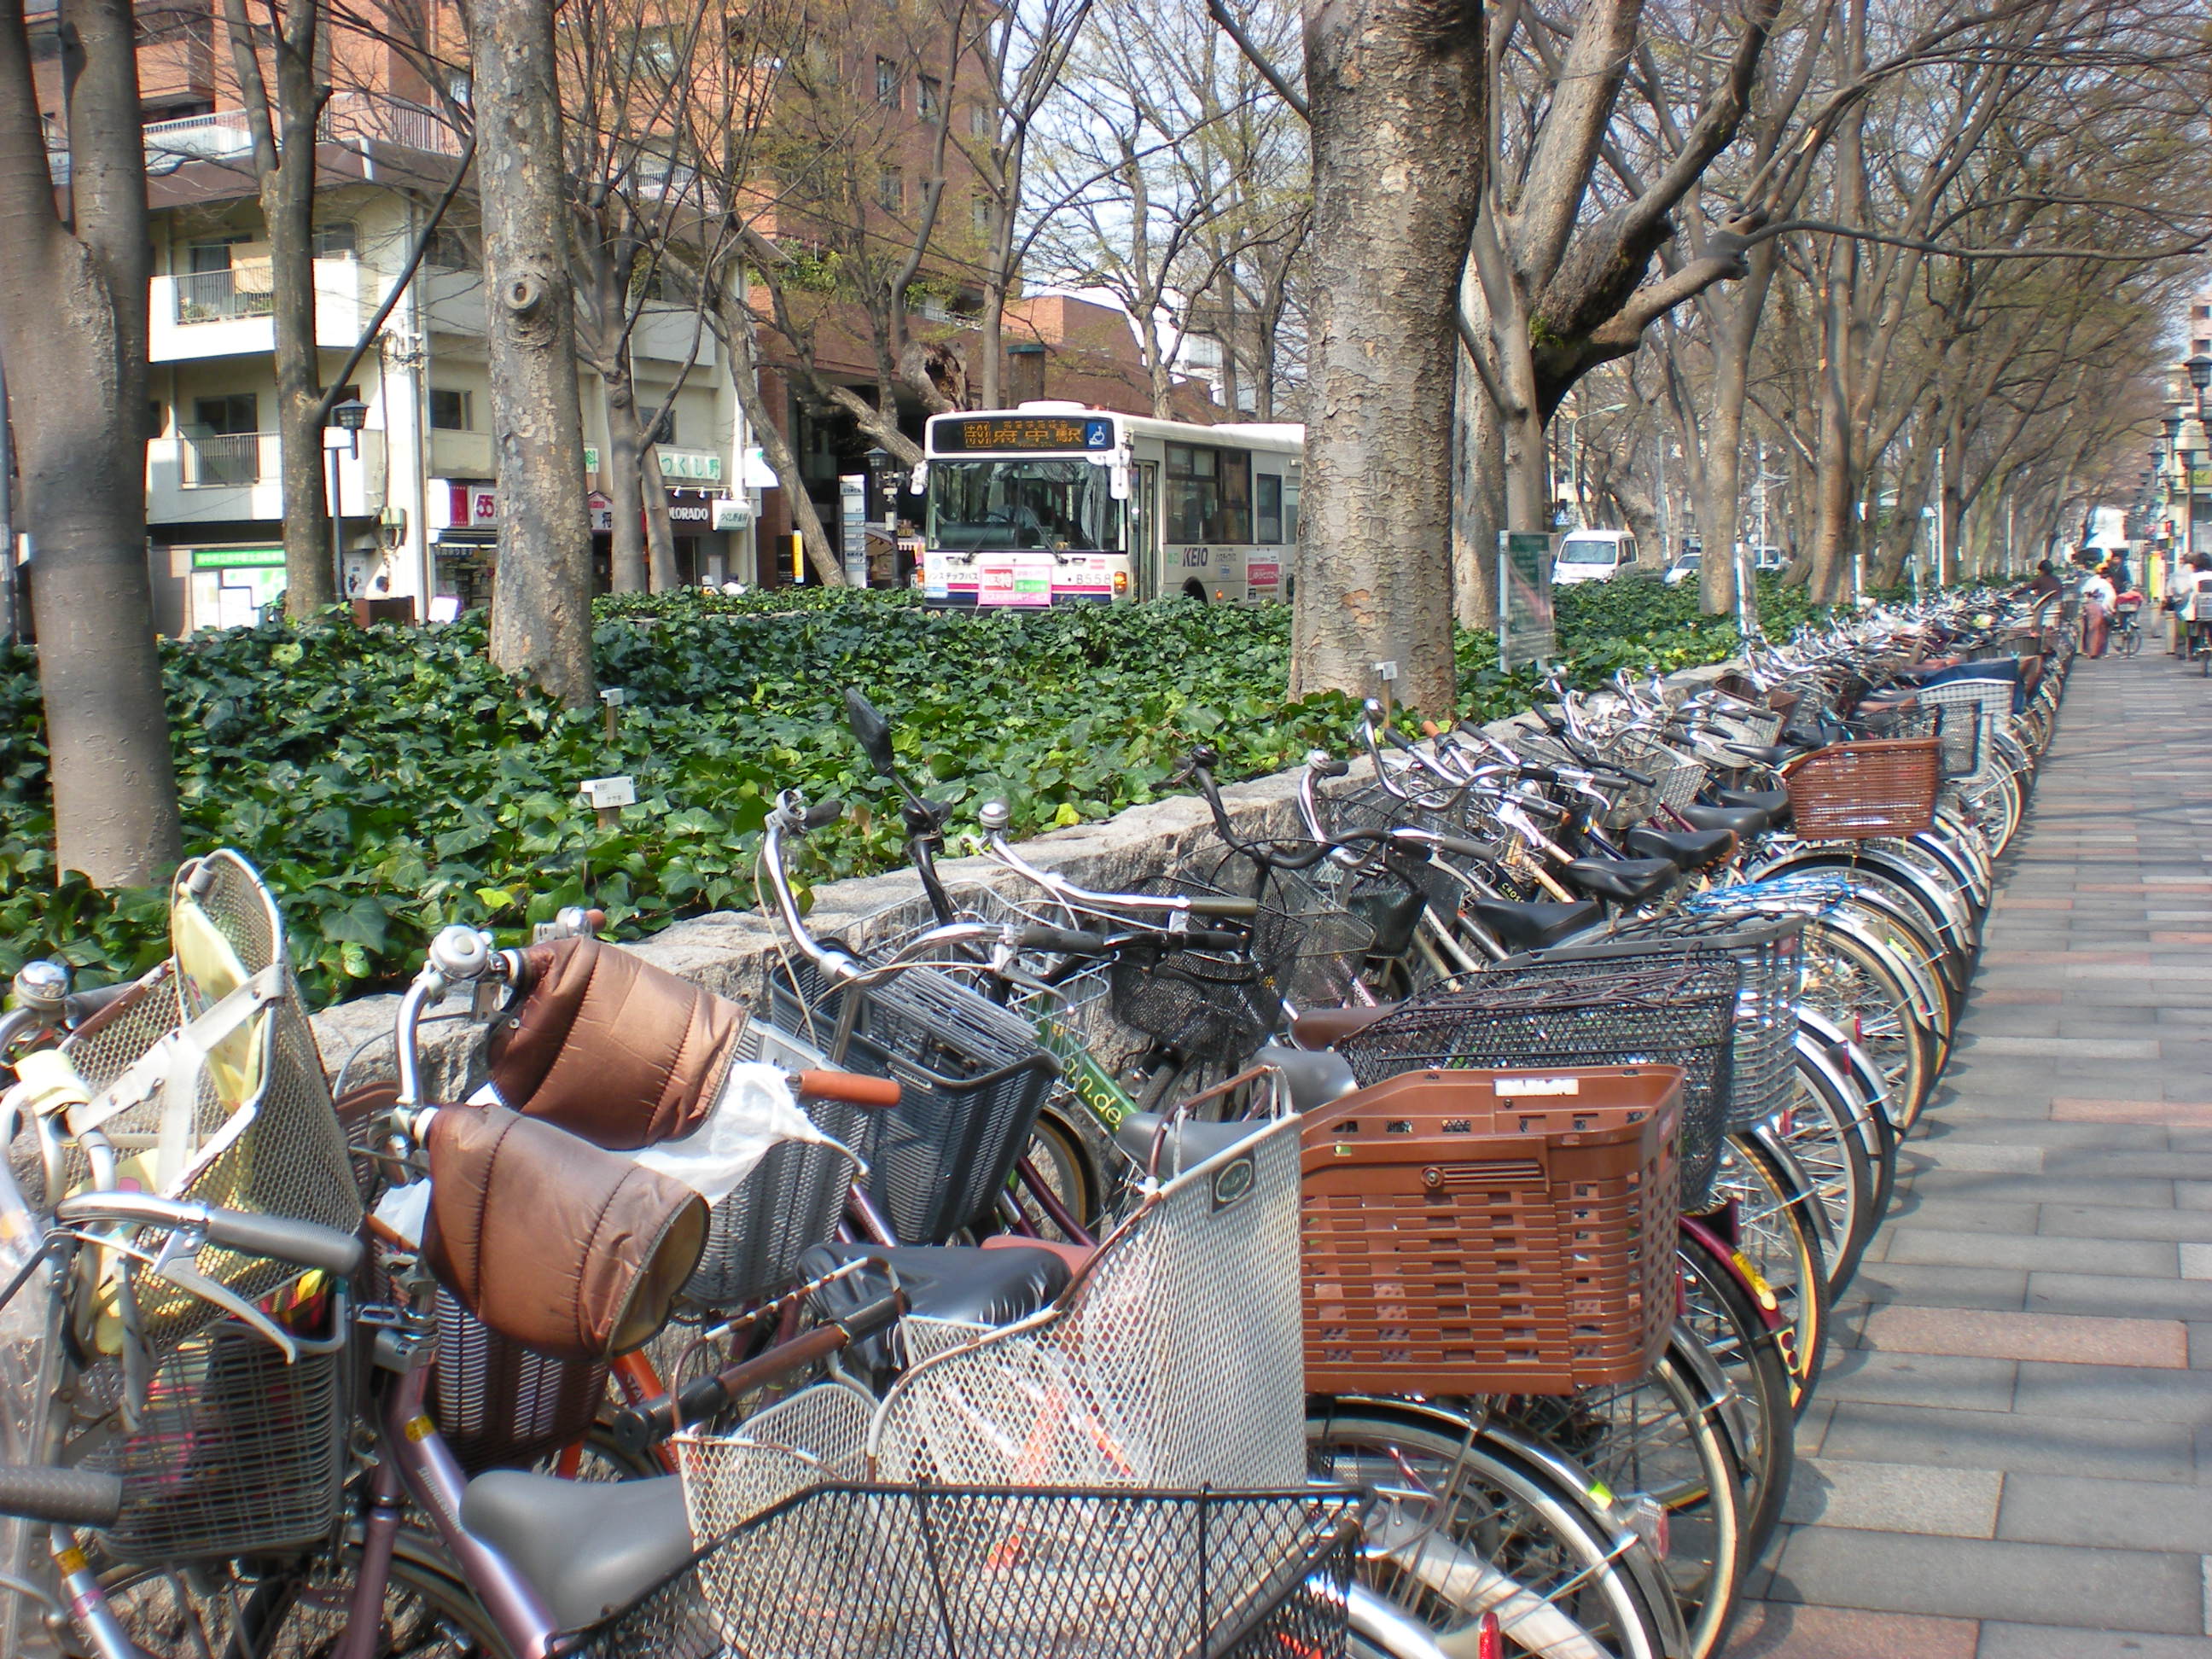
x=2119 y=1296
x=2077 y=1163
x=1775 y=1629
x=2097 y=1221
x=1965 y=1153
x=1985 y=1187
x=2060 y=1338
x=2136 y=1393
x=2004 y=1641
x=1952 y=1215
x=1943 y=1286
x=2034 y=1250
x=2068 y=1508
x=1942 y=1130
x=1977 y=1578
x=1894 y=1498
x=2011 y=1441
x=2193 y=1113
x=1955 y=1382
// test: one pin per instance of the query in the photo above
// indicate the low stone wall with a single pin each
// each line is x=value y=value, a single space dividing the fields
x=729 y=951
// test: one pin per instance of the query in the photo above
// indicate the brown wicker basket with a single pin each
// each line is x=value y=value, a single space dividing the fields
x=1859 y=791
x=1490 y=1232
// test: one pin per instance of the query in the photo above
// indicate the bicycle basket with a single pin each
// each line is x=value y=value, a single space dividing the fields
x=1767 y=949
x=1672 y=1008
x=206 y=1079
x=920 y=1572
x=1864 y=791
x=1478 y=1232
x=1308 y=944
x=972 y=1076
x=1676 y=777
x=238 y=1451
x=1972 y=711
x=793 y=1198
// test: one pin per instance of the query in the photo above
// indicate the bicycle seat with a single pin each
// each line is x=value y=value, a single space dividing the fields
x=1324 y=1028
x=1189 y=1141
x=1686 y=850
x=590 y=1546
x=1745 y=821
x=1765 y=754
x=1775 y=803
x=1531 y=927
x=956 y=1282
x=1624 y=881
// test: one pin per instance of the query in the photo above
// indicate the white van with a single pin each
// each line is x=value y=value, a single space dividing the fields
x=1593 y=555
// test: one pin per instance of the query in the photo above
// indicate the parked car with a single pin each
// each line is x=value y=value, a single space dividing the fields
x=1595 y=555
x=1684 y=570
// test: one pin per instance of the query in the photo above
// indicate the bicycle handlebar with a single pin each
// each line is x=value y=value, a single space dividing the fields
x=280 y=1238
x=58 y=1496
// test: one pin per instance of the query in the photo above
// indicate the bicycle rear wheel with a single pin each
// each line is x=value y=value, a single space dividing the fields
x=1772 y=1219
x=1725 y=1316
x=1461 y=1525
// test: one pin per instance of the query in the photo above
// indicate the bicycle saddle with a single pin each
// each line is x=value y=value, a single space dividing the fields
x=1765 y=754
x=1190 y=1141
x=589 y=1546
x=1775 y=803
x=1531 y=927
x=1745 y=821
x=1687 y=849
x=1324 y=1028
x=1624 y=881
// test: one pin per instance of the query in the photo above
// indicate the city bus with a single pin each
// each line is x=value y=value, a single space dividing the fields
x=1053 y=503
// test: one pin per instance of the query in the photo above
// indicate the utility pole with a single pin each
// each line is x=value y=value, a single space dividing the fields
x=8 y=632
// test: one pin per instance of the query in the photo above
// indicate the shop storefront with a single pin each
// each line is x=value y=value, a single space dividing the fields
x=233 y=587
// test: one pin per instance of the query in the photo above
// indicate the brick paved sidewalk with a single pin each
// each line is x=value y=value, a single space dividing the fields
x=2012 y=1459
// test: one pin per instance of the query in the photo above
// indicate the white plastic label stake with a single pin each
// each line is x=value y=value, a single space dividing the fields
x=602 y=794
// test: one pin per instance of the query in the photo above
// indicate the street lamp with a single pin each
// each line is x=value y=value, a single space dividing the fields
x=348 y=417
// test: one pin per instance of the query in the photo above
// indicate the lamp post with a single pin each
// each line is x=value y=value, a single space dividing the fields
x=348 y=417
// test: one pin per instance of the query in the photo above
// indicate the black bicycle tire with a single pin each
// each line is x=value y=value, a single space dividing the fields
x=1747 y=1353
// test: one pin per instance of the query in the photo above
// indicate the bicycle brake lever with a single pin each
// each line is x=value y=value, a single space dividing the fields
x=195 y=1282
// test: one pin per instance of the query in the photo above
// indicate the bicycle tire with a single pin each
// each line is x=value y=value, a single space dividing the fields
x=428 y=1613
x=1775 y=1229
x=1852 y=985
x=1825 y=1128
x=1723 y=1312
x=1661 y=1438
x=1519 y=1514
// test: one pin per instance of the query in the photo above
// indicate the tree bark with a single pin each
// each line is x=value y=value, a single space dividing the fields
x=1478 y=501
x=73 y=330
x=659 y=532
x=1396 y=90
x=541 y=623
x=733 y=322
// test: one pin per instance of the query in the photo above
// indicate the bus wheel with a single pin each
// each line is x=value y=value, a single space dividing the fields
x=1194 y=589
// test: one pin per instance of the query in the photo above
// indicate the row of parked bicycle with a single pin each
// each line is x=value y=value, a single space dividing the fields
x=1405 y=1223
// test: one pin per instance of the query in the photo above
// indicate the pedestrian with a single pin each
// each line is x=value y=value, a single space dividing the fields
x=2190 y=602
x=2098 y=594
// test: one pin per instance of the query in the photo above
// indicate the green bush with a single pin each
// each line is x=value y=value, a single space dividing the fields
x=389 y=781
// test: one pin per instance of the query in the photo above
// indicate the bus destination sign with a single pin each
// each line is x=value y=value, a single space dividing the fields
x=955 y=434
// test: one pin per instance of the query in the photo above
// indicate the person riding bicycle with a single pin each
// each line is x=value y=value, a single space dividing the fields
x=2190 y=599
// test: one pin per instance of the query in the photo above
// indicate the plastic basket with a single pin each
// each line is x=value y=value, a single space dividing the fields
x=251 y=1127
x=932 y=1572
x=972 y=1076
x=238 y=1451
x=1862 y=791
x=1672 y=1008
x=1768 y=952
x=792 y=1200
x=1479 y=1232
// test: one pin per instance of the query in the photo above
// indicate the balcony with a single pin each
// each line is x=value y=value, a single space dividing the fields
x=225 y=313
x=350 y=118
x=460 y=454
x=215 y=296
x=234 y=476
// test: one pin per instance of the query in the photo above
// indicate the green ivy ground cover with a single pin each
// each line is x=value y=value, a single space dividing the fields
x=389 y=781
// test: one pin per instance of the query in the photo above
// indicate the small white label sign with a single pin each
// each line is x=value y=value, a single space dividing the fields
x=602 y=793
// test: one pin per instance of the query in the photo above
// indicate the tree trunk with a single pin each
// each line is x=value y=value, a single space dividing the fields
x=541 y=621
x=73 y=330
x=1735 y=319
x=733 y=322
x=625 y=499
x=1396 y=89
x=991 y=346
x=1478 y=501
x=311 y=575
x=659 y=533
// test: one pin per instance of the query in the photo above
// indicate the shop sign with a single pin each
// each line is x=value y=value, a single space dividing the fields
x=689 y=512
x=471 y=506
x=236 y=558
x=1524 y=598
x=701 y=463
x=732 y=513
x=853 y=535
x=603 y=513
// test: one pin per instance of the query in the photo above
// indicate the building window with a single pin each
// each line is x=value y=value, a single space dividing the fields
x=980 y=124
x=240 y=412
x=887 y=83
x=335 y=240
x=2200 y=347
x=448 y=250
x=979 y=211
x=451 y=411
x=1209 y=496
x=222 y=448
x=929 y=99
x=890 y=191
x=1270 y=497
x=2201 y=314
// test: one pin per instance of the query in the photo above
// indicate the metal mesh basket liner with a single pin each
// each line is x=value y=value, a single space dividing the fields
x=793 y=1198
x=237 y=1453
x=1768 y=959
x=1971 y=711
x=1677 y=777
x=972 y=1076
x=1676 y=1010
x=496 y=1403
x=1306 y=944
x=1368 y=805
x=872 y=1572
x=288 y=1157
x=1629 y=804
x=1203 y=1004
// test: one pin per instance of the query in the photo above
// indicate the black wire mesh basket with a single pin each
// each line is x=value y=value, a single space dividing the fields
x=238 y=1450
x=932 y=1572
x=1308 y=943
x=1676 y=1008
x=971 y=1074
x=1768 y=952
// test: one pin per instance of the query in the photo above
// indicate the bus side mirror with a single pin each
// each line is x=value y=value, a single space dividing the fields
x=1117 y=480
x=919 y=483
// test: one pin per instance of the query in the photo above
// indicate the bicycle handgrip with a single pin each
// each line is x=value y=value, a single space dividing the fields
x=1482 y=852
x=1062 y=941
x=1329 y=767
x=1553 y=722
x=850 y=1087
x=822 y=812
x=1539 y=775
x=61 y=1497
x=1623 y=772
x=1224 y=904
x=281 y=1238
x=1207 y=938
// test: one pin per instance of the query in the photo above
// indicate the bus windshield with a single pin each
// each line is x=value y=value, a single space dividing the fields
x=1062 y=505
